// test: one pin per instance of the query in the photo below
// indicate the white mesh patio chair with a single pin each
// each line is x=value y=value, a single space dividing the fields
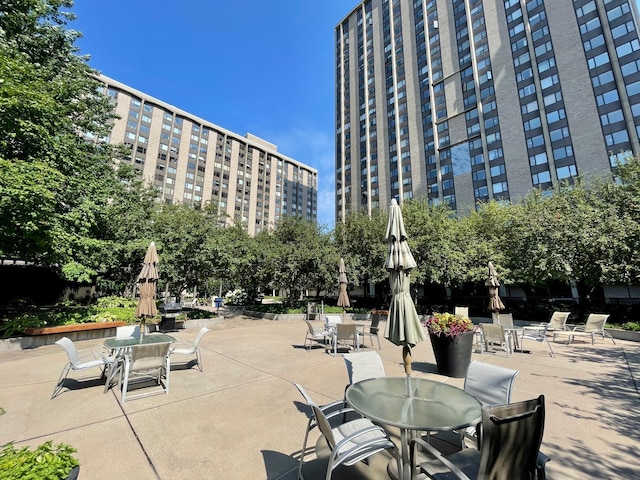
x=464 y=311
x=558 y=321
x=362 y=366
x=350 y=442
x=128 y=331
x=315 y=333
x=492 y=385
x=146 y=362
x=77 y=362
x=191 y=349
x=494 y=335
x=594 y=326
x=344 y=334
x=537 y=335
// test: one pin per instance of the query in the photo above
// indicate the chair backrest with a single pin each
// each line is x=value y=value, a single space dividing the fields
x=319 y=416
x=504 y=319
x=375 y=321
x=538 y=334
x=491 y=384
x=128 y=331
x=464 y=311
x=332 y=319
x=345 y=331
x=149 y=356
x=558 y=320
x=595 y=322
x=363 y=365
x=492 y=333
x=312 y=329
x=511 y=440
x=199 y=336
x=70 y=348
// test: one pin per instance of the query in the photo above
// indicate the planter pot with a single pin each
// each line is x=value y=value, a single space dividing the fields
x=73 y=474
x=452 y=354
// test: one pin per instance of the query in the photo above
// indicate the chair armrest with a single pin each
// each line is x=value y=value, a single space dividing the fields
x=437 y=455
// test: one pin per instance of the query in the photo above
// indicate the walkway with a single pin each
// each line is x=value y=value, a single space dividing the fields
x=242 y=417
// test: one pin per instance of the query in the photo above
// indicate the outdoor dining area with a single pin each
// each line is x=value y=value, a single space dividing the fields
x=351 y=399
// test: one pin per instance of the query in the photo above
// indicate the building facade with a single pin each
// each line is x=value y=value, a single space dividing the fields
x=463 y=101
x=190 y=160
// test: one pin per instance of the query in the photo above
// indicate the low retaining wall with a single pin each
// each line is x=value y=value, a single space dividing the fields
x=83 y=331
x=355 y=317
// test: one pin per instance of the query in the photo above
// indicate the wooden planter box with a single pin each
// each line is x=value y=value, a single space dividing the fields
x=78 y=327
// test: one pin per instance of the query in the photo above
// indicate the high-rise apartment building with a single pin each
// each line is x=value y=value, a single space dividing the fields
x=190 y=160
x=462 y=101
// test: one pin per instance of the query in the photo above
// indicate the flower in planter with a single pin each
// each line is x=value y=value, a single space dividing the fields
x=448 y=324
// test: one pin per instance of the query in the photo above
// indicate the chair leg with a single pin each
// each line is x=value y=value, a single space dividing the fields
x=304 y=450
x=199 y=359
x=550 y=349
x=63 y=376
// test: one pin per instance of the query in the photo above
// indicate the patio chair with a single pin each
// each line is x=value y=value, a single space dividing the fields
x=493 y=335
x=349 y=442
x=128 y=331
x=344 y=334
x=316 y=333
x=594 y=326
x=77 y=362
x=537 y=335
x=464 y=311
x=558 y=321
x=332 y=320
x=191 y=349
x=146 y=362
x=510 y=442
x=492 y=385
x=374 y=330
x=506 y=320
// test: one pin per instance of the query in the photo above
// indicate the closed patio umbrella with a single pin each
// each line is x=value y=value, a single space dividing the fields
x=147 y=281
x=403 y=324
x=495 y=304
x=343 y=296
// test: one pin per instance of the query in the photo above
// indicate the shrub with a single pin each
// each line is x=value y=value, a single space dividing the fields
x=45 y=462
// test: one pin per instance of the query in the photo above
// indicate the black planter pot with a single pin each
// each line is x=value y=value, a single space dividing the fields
x=452 y=354
x=73 y=474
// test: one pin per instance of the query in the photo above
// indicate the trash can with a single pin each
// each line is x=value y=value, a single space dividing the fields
x=218 y=303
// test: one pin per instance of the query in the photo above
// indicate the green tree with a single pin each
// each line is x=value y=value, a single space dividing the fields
x=54 y=185
x=360 y=241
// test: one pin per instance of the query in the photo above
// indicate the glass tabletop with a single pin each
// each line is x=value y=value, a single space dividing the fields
x=143 y=340
x=433 y=406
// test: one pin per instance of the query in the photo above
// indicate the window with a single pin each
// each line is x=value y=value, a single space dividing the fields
x=562 y=152
x=594 y=43
x=612 y=117
x=539 y=159
x=565 y=172
x=559 y=134
x=533 y=123
x=614 y=138
x=555 y=115
x=599 y=60
x=541 y=177
x=499 y=187
x=607 y=77
x=607 y=97
x=497 y=170
x=536 y=141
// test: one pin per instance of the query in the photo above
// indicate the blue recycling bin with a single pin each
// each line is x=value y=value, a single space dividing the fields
x=218 y=302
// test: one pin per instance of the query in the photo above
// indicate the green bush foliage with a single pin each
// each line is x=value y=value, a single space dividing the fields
x=46 y=462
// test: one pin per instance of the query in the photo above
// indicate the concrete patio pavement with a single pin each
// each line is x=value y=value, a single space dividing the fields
x=242 y=418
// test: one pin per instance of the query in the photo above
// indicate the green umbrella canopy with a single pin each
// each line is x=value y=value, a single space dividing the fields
x=403 y=324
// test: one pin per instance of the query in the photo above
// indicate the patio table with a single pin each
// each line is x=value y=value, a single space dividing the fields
x=120 y=347
x=432 y=406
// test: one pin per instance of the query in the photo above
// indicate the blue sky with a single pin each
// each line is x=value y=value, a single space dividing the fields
x=260 y=66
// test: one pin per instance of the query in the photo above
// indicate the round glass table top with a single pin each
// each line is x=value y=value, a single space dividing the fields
x=434 y=406
x=142 y=340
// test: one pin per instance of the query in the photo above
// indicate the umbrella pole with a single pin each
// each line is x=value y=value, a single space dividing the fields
x=406 y=358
